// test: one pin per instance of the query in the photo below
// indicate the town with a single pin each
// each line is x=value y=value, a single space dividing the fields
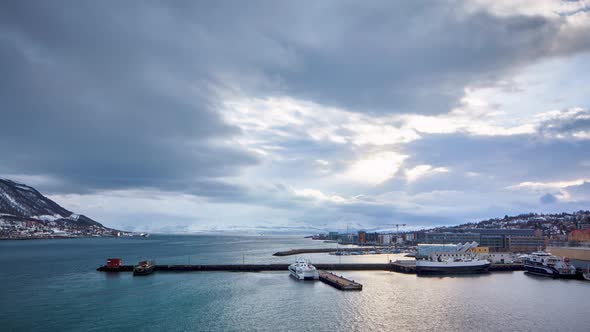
x=522 y=233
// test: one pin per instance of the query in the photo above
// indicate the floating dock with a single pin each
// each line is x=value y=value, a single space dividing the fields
x=339 y=281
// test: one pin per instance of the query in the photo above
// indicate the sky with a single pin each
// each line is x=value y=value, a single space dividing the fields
x=260 y=116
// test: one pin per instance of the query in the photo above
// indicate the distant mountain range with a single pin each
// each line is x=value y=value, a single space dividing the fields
x=26 y=214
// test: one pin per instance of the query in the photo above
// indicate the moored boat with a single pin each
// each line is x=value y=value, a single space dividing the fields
x=545 y=264
x=459 y=264
x=303 y=270
x=144 y=268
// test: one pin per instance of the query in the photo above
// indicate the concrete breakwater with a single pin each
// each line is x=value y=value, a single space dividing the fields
x=404 y=266
x=251 y=267
x=320 y=250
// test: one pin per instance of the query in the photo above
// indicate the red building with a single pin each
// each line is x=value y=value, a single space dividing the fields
x=581 y=235
x=113 y=263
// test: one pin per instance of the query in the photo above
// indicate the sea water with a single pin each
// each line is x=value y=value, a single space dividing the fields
x=53 y=285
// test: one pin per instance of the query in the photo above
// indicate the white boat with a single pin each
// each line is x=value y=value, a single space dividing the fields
x=543 y=263
x=463 y=264
x=303 y=270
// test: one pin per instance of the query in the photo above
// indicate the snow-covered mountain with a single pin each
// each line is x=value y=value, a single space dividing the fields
x=26 y=213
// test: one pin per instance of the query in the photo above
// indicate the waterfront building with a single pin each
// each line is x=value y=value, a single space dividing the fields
x=499 y=257
x=525 y=244
x=386 y=239
x=372 y=238
x=452 y=237
x=497 y=240
x=480 y=250
x=410 y=237
x=426 y=250
x=580 y=235
x=362 y=237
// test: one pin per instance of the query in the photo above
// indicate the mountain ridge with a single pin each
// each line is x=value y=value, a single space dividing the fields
x=25 y=213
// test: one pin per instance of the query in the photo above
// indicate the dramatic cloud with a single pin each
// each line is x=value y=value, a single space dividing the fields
x=187 y=116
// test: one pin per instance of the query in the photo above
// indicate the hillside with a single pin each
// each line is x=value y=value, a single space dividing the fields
x=551 y=225
x=25 y=213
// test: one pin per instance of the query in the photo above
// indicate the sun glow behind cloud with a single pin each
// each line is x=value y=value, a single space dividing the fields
x=375 y=169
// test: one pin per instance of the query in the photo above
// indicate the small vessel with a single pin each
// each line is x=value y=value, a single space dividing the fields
x=144 y=268
x=303 y=270
x=545 y=264
x=459 y=264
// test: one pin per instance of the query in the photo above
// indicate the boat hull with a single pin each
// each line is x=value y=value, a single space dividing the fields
x=547 y=272
x=434 y=270
x=143 y=271
x=307 y=275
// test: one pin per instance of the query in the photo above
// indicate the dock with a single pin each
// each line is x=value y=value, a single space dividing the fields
x=339 y=281
x=404 y=266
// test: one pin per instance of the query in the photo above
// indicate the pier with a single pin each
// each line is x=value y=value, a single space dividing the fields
x=249 y=267
x=339 y=281
x=403 y=266
x=320 y=250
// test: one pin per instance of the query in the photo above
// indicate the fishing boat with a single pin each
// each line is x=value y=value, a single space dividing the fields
x=144 y=268
x=463 y=264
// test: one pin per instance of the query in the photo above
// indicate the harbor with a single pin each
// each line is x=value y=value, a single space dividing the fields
x=180 y=294
x=403 y=266
x=250 y=267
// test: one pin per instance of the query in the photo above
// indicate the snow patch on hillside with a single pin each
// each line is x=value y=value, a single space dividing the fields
x=48 y=217
x=11 y=200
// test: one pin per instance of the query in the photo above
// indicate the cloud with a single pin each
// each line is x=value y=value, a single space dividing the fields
x=548 y=199
x=419 y=171
x=278 y=113
x=97 y=101
x=573 y=123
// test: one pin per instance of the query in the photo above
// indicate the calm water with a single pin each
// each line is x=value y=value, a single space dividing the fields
x=52 y=285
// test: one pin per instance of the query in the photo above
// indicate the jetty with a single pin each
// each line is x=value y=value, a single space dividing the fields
x=403 y=266
x=339 y=281
x=248 y=267
x=321 y=250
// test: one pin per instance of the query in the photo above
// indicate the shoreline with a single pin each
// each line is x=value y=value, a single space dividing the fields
x=52 y=238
